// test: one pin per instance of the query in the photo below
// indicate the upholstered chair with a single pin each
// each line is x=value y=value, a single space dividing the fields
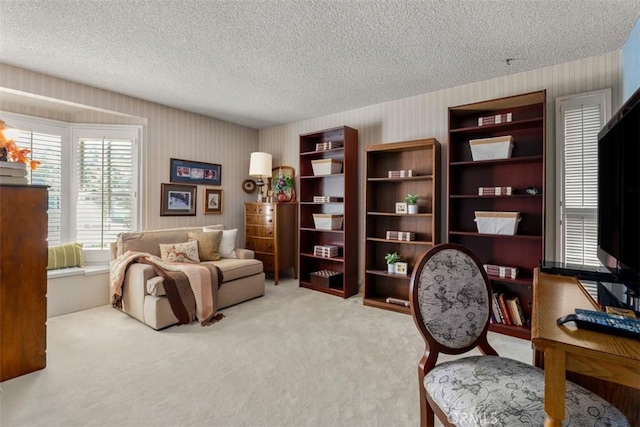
x=450 y=304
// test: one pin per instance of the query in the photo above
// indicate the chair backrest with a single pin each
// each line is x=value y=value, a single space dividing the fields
x=451 y=299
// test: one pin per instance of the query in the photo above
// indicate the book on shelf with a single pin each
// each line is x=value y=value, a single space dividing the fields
x=495 y=119
x=326 y=199
x=401 y=235
x=328 y=145
x=495 y=308
x=495 y=191
x=512 y=306
x=501 y=271
x=325 y=251
x=397 y=301
x=504 y=309
x=402 y=174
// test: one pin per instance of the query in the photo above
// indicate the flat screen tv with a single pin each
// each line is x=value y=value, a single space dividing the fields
x=619 y=193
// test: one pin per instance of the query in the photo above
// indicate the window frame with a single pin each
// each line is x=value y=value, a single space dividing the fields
x=70 y=132
x=602 y=98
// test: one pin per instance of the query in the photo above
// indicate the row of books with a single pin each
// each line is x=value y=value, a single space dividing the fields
x=495 y=191
x=495 y=119
x=402 y=173
x=405 y=236
x=501 y=271
x=326 y=199
x=507 y=310
x=328 y=145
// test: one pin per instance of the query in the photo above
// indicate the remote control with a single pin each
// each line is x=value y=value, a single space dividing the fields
x=604 y=322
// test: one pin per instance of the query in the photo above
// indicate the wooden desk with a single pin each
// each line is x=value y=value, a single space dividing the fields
x=614 y=362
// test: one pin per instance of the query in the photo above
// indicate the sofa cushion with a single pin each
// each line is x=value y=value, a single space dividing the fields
x=233 y=269
x=228 y=243
x=180 y=252
x=148 y=241
x=65 y=256
x=208 y=244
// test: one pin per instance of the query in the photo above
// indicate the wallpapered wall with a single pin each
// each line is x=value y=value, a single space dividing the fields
x=168 y=133
x=174 y=133
x=425 y=116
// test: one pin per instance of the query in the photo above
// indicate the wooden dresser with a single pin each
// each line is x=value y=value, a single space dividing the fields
x=23 y=280
x=270 y=231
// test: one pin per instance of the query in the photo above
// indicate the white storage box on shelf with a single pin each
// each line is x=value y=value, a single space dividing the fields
x=326 y=166
x=499 y=147
x=327 y=221
x=497 y=222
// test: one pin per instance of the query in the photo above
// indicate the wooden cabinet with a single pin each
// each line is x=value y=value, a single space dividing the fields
x=523 y=118
x=339 y=190
x=23 y=280
x=270 y=231
x=421 y=157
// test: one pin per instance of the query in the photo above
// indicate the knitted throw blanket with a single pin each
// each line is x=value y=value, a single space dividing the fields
x=192 y=289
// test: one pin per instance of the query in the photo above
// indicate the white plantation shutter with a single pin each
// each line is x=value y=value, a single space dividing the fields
x=579 y=119
x=47 y=148
x=105 y=190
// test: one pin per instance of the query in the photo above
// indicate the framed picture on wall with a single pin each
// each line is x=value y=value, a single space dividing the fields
x=212 y=201
x=190 y=172
x=176 y=200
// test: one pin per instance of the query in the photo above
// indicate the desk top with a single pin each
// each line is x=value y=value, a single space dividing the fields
x=556 y=296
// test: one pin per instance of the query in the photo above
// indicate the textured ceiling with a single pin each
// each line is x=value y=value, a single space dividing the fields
x=263 y=63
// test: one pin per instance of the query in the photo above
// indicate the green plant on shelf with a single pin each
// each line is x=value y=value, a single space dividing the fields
x=392 y=258
x=411 y=199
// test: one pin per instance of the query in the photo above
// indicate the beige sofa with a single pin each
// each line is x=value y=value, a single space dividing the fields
x=144 y=298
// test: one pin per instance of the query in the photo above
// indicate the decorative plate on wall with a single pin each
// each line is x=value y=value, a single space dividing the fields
x=248 y=186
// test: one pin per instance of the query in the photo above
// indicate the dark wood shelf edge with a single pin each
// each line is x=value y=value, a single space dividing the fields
x=407 y=178
x=379 y=302
x=510 y=160
x=522 y=332
x=476 y=196
x=320 y=230
x=310 y=255
x=332 y=291
x=524 y=281
x=492 y=236
x=498 y=126
x=328 y=175
x=385 y=273
x=315 y=153
x=418 y=215
x=410 y=242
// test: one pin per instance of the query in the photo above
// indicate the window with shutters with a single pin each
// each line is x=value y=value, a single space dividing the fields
x=579 y=119
x=91 y=171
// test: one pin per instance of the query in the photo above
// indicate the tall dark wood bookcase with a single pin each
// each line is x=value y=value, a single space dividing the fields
x=524 y=169
x=382 y=193
x=342 y=187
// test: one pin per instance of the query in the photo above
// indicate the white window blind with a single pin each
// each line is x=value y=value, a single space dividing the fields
x=579 y=119
x=104 y=190
x=48 y=150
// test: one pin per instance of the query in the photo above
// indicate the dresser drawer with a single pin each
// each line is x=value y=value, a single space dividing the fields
x=258 y=231
x=259 y=219
x=260 y=244
x=260 y=208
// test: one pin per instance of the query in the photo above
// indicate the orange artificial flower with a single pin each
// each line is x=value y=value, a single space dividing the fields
x=14 y=153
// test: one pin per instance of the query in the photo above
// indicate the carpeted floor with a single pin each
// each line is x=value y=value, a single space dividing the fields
x=292 y=358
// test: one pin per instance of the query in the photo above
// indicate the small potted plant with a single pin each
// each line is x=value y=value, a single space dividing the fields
x=391 y=259
x=412 y=203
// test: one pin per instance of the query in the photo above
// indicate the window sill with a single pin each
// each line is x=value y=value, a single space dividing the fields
x=87 y=270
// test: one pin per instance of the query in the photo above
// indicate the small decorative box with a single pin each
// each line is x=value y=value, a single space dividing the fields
x=326 y=279
x=326 y=251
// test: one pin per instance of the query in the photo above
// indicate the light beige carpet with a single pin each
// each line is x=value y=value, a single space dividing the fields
x=292 y=358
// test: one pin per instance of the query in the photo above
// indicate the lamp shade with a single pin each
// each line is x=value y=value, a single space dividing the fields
x=260 y=164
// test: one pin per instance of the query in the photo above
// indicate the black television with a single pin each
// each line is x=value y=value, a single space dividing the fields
x=619 y=193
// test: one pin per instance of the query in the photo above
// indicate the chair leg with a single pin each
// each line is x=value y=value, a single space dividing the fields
x=426 y=412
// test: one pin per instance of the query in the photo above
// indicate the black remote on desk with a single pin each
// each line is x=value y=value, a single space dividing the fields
x=604 y=322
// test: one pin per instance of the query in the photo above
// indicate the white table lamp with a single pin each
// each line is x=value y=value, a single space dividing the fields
x=260 y=167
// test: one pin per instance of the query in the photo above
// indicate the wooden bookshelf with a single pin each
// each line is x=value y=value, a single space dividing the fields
x=382 y=193
x=342 y=185
x=525 y=168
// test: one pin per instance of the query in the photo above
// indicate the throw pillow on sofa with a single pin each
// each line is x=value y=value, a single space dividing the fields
x=65 y=256
x=228 y=243
x=208 y=244
x=180 y=252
